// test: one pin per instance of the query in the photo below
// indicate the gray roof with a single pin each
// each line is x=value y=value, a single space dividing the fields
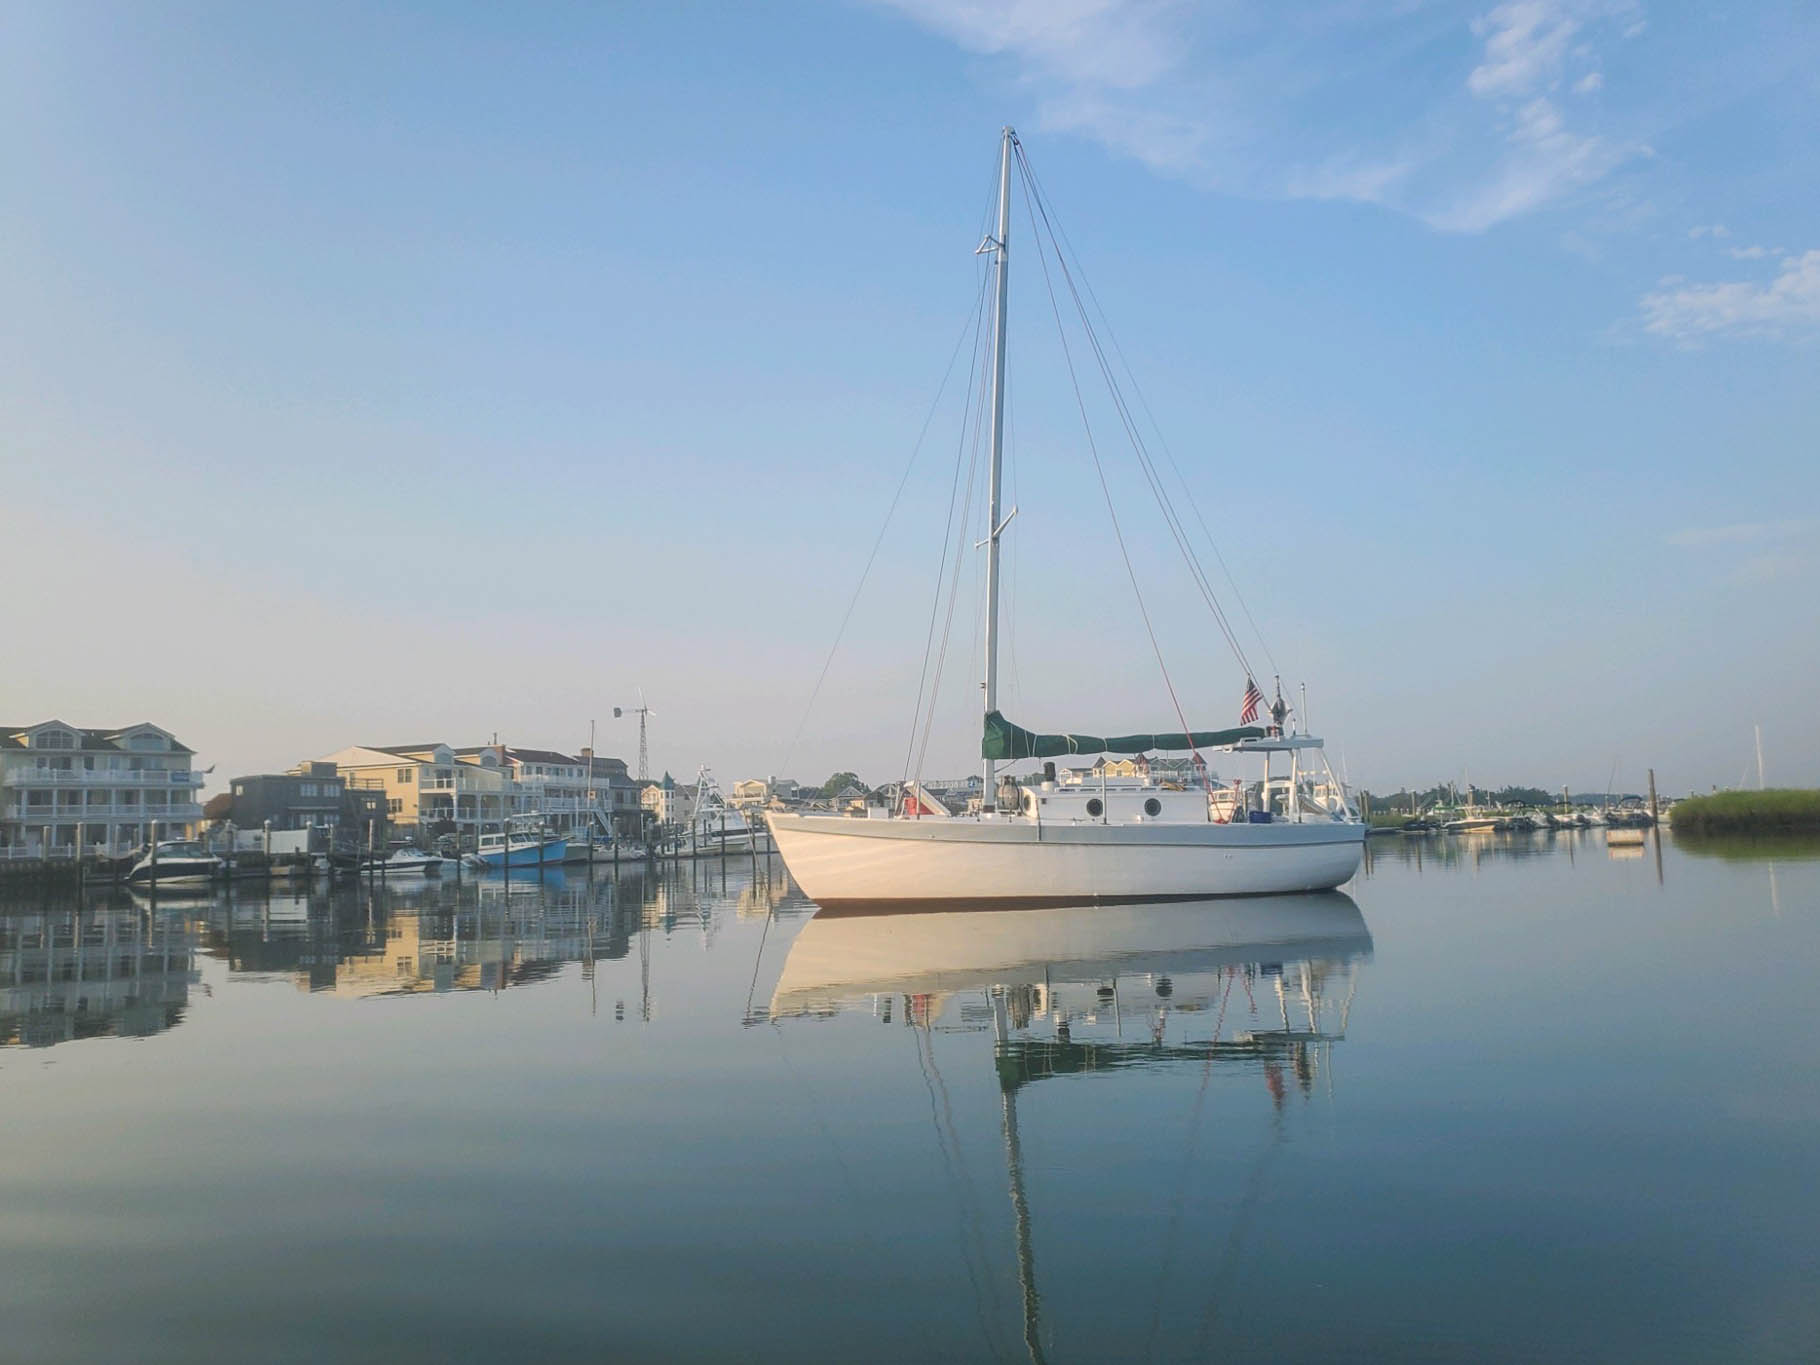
x=90 y=739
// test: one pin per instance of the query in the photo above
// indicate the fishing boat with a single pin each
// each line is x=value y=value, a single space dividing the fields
x=716 y=827
x=176 y=862
x=524 y=842
x=1059 y=841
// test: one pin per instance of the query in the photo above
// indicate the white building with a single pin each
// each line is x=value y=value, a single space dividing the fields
x=99 y=791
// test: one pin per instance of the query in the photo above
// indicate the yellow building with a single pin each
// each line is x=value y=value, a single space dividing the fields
x=427 y=785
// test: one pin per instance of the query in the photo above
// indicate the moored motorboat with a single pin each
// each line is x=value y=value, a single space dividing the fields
x=523 y=843
x=405 y=862
x=176 y=862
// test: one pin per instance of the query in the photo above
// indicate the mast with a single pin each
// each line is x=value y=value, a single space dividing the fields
x=1000 y=248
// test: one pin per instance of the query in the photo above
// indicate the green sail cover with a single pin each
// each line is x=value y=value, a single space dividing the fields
x=1009 y=742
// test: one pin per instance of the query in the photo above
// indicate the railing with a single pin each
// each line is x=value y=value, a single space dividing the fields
x=55 y=777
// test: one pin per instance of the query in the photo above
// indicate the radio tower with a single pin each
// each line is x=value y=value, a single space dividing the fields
x=644 y=753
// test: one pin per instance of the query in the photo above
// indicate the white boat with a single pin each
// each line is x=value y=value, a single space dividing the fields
x=176 y=862
x=406 y=862
x=1063 y=841
x=716 y=828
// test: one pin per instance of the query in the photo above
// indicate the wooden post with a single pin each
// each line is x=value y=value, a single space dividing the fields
x=1655 y=815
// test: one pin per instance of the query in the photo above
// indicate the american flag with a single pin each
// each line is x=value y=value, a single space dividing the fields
x=1253 y=699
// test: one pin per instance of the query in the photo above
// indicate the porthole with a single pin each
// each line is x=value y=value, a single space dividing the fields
x=1094 y=807
x=1153 y=806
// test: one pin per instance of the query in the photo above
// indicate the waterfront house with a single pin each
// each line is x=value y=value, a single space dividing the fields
x=669 y=802
x=94 y=790
x=436 y=789
x=311 y=796
x=430 y=790
x=616 y=796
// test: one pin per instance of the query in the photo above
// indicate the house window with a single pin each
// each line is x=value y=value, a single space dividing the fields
x=146 y=742
x=404 y=776
x=54 y=739
x=306 y=789
x=331 y=789
x=240 y=789
x=394 y=806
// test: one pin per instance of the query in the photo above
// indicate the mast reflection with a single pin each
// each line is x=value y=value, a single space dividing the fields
x=1095 y=989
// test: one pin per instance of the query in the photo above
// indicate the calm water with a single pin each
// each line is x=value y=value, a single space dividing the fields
x=1516 y=1099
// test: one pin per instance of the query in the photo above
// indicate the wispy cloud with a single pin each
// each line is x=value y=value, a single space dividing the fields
x=1743 y=532
x=1443 y=111
x=1772 y=550
x=1785 y=306
x=1767 y=568
x=1526 y=45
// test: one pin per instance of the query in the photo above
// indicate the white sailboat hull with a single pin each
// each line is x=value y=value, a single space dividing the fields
x=836 y=859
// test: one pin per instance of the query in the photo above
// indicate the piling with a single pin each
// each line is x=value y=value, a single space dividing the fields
x=1654 y=813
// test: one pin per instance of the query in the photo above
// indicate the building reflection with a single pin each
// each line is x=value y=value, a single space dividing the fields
x=120 y=964
x=93 y=971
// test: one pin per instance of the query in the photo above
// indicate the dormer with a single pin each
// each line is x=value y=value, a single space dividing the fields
x=145 y=739
x=53 y=734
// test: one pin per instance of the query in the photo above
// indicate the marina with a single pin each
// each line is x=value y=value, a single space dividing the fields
x=1054 y=1134
x=914 y=681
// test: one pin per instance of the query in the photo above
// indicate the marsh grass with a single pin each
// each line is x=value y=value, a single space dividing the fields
x=1783 y=810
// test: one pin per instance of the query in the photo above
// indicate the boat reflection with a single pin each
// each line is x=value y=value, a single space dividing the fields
x=1074 y=967
x=1095 y=989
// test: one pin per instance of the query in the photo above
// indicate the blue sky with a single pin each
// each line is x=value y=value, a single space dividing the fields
x=379 y=373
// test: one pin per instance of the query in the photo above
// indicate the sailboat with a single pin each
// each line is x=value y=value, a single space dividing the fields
x=1064 y=842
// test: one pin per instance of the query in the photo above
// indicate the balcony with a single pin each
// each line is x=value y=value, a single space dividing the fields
x=100 y=777
x=33 y=816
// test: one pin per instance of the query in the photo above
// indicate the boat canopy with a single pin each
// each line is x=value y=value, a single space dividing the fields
x=1006 y=741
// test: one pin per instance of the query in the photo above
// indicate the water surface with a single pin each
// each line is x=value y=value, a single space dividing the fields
x=1508 y=1098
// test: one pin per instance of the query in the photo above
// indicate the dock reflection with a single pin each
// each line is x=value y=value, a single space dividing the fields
x=116 y=963
x=98 y=971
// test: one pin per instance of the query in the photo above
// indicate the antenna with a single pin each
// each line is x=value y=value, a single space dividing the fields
x=641 y=711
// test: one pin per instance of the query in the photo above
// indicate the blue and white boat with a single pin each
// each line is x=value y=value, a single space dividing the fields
x=523 y=843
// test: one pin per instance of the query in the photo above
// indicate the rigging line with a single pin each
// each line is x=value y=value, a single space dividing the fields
x=960 y=1162
x=854 y=1200
x=960 y=552
x=956 y=521
x=770 y=911
x=941 y=1146
x=1011 y=579
x=1139 y=448
x=1185 y=1181
x=1106 y=492
x=1145 y=463
x=1163 y=440
x=968 y=413
x=915 y=453
x=1241 y=1224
